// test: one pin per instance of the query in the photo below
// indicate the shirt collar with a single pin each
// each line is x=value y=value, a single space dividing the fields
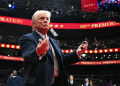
x=87 y=83
x=14 y=76
x=43 y=36
x=71 y=81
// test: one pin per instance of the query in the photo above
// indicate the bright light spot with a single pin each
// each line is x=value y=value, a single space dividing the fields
x=17 y=47
x=8 y=46
x=13 y=46
x=9 y=5
x=83 y=55
x=3 y=45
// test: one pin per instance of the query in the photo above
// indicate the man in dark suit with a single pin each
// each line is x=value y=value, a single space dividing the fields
x=14 y=80
x=43 y=59
x=71 y=81
x=87 y=82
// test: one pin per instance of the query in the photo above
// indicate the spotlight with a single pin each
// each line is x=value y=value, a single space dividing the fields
x=12 y=6
x=9 y=5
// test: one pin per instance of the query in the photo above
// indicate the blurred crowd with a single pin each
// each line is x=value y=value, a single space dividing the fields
x=72 y=81
x=107 y=4
x=69 y=43
x=9 y=38
x=103 y=43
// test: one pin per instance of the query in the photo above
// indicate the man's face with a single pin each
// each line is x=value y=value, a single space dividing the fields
x=71 y=78
x=14 y=73
x=42 y=23
x=86 y=80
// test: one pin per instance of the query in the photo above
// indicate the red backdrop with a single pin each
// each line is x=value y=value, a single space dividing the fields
x=91 y=4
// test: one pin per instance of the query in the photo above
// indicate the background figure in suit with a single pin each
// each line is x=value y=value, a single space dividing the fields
x=14 y=80
x=43 y=59
x=86 y=82
x=71 y=81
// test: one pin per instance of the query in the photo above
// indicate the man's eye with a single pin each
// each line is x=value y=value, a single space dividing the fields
x=41 y=18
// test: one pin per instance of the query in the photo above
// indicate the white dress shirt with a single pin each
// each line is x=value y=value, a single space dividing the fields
x=71 y=82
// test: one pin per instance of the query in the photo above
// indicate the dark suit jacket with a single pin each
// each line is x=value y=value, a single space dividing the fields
x=39 y=72
x=74 y=83
x=14 y=81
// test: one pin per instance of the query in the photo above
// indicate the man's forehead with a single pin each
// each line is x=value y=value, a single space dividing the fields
x=71 y=76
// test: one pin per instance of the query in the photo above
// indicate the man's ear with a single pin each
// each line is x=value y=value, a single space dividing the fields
x=34 y=24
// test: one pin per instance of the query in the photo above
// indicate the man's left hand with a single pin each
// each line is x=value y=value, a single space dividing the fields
x=82 y=48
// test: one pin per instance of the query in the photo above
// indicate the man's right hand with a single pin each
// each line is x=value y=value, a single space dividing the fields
x=43 y=46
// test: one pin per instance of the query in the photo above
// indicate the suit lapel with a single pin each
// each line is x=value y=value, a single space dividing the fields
x=36 y=36
x=49 y=53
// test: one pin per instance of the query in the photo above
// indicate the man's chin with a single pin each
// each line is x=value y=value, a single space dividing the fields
x=46 y=28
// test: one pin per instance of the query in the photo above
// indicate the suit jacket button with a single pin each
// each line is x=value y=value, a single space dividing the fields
x=48 y=76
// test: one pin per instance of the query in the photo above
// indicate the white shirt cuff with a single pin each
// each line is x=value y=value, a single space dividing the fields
x=40 y=56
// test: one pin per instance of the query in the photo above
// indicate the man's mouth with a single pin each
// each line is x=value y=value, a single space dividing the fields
x=45 y=24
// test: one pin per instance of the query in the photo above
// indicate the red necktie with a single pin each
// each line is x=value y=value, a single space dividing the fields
x=56 y=68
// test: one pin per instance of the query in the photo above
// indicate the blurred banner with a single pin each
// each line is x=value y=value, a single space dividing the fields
x=90 y=4
x=98 y=62
x=27 y=22
x=14 y=20
x=79 y=63
x=11 y=58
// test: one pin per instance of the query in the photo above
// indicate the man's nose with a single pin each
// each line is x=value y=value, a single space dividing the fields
x=45 y=20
